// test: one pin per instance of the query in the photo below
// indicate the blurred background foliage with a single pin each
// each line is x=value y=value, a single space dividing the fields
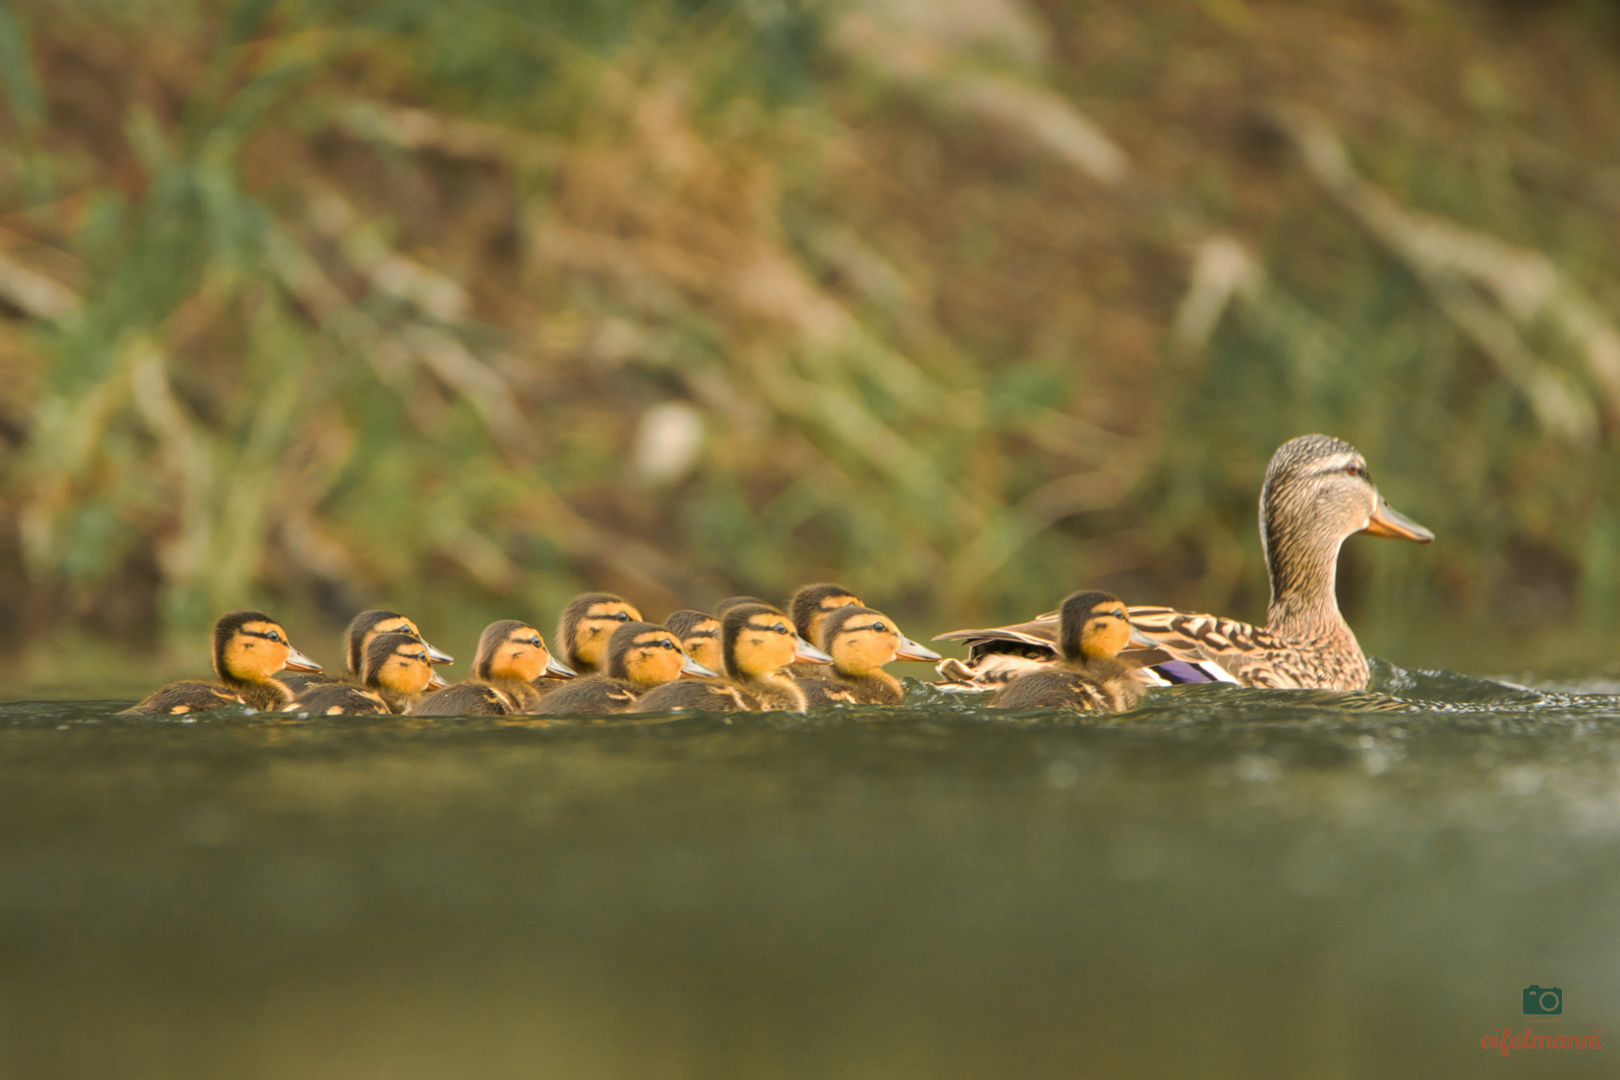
x=461 y=308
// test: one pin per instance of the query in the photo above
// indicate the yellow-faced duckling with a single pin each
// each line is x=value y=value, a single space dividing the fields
x=396 y=667
x=587 y=623
x=811 y=605
x=1094 y=629
x=249 y=648
x=640 y=656
x=758 y=643
x=860 y=641
x=356 y=636
x=511 y=656
x=699 y=635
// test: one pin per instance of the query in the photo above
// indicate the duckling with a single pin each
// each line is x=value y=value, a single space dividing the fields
x=1093 y=628
x=757 y=644
x=587 y=623
x=249 y=647
x=730 y=602
x=397 y=668
x=361 y=629
x=861 y=641
x=511 y=656
x=811 y=605
x=699 y=634
x=640 y=656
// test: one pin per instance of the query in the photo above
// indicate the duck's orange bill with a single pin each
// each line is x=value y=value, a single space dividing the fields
x=1388 y=522
x=437 y=682
x=297 y=661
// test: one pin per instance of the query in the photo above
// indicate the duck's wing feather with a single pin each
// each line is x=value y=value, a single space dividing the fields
x=1038 y=633
x=1230 y=650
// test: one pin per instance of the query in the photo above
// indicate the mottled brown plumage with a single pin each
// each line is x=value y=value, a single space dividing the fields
x=640 y=656
x=1317 y=493
x=248 y=649
x=861 y=641
x=1093 y=629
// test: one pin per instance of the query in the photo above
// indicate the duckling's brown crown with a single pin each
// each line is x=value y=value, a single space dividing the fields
x=577 y=609
x=732 y=627
x=838 y=621
x=624 y=640
x=810 y=600
x=359 y=626
x=382 y=647
x=1075 y=612
x=490 y=641
x=226 y=628
x=683 y=623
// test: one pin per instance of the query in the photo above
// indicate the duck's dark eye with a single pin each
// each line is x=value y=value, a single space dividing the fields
x=273 y=636
x=880 y=628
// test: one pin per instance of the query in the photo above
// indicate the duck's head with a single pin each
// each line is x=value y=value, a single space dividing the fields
x=509 y=649
x=587 y=623
x=1321 y=484
x=812 y=604
x=861 y=641
x=399 y=663
x=250 y=646
x=700 y=636
x=649 y=655
x=757 y=639
x=368 y=624
x=730 y=602
x=1094 y=625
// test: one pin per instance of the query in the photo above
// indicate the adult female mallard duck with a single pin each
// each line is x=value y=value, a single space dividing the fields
x=396 y=669
x=586 y=625
x=249 y=648
x=1093 y=629
x=640 y=656
x=511 y=657
x=860 y=641
x=1317 y=493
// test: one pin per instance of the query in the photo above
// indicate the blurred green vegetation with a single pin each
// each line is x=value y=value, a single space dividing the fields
x=460 y=308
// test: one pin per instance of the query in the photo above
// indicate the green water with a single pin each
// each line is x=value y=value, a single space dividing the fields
x=1225 y=884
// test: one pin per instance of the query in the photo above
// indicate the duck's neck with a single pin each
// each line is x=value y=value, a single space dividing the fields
x=1304 y=595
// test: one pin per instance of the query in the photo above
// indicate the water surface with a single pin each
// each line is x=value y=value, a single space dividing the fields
x=1224 y=883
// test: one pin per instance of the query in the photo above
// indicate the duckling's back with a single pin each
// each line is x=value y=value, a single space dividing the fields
x=594 y=695
x=188 y=696
x=464 y=699
x=340 y=699
x=1103 y=687
x=691 y=694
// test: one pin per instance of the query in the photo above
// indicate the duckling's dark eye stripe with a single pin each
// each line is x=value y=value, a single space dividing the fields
x=268 y=635
x=703 y=633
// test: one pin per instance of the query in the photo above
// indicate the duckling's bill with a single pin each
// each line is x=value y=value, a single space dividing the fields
x=297 y=661
x=911 y=650
x=806 y=653
x=556 y=669
x=692 y=667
